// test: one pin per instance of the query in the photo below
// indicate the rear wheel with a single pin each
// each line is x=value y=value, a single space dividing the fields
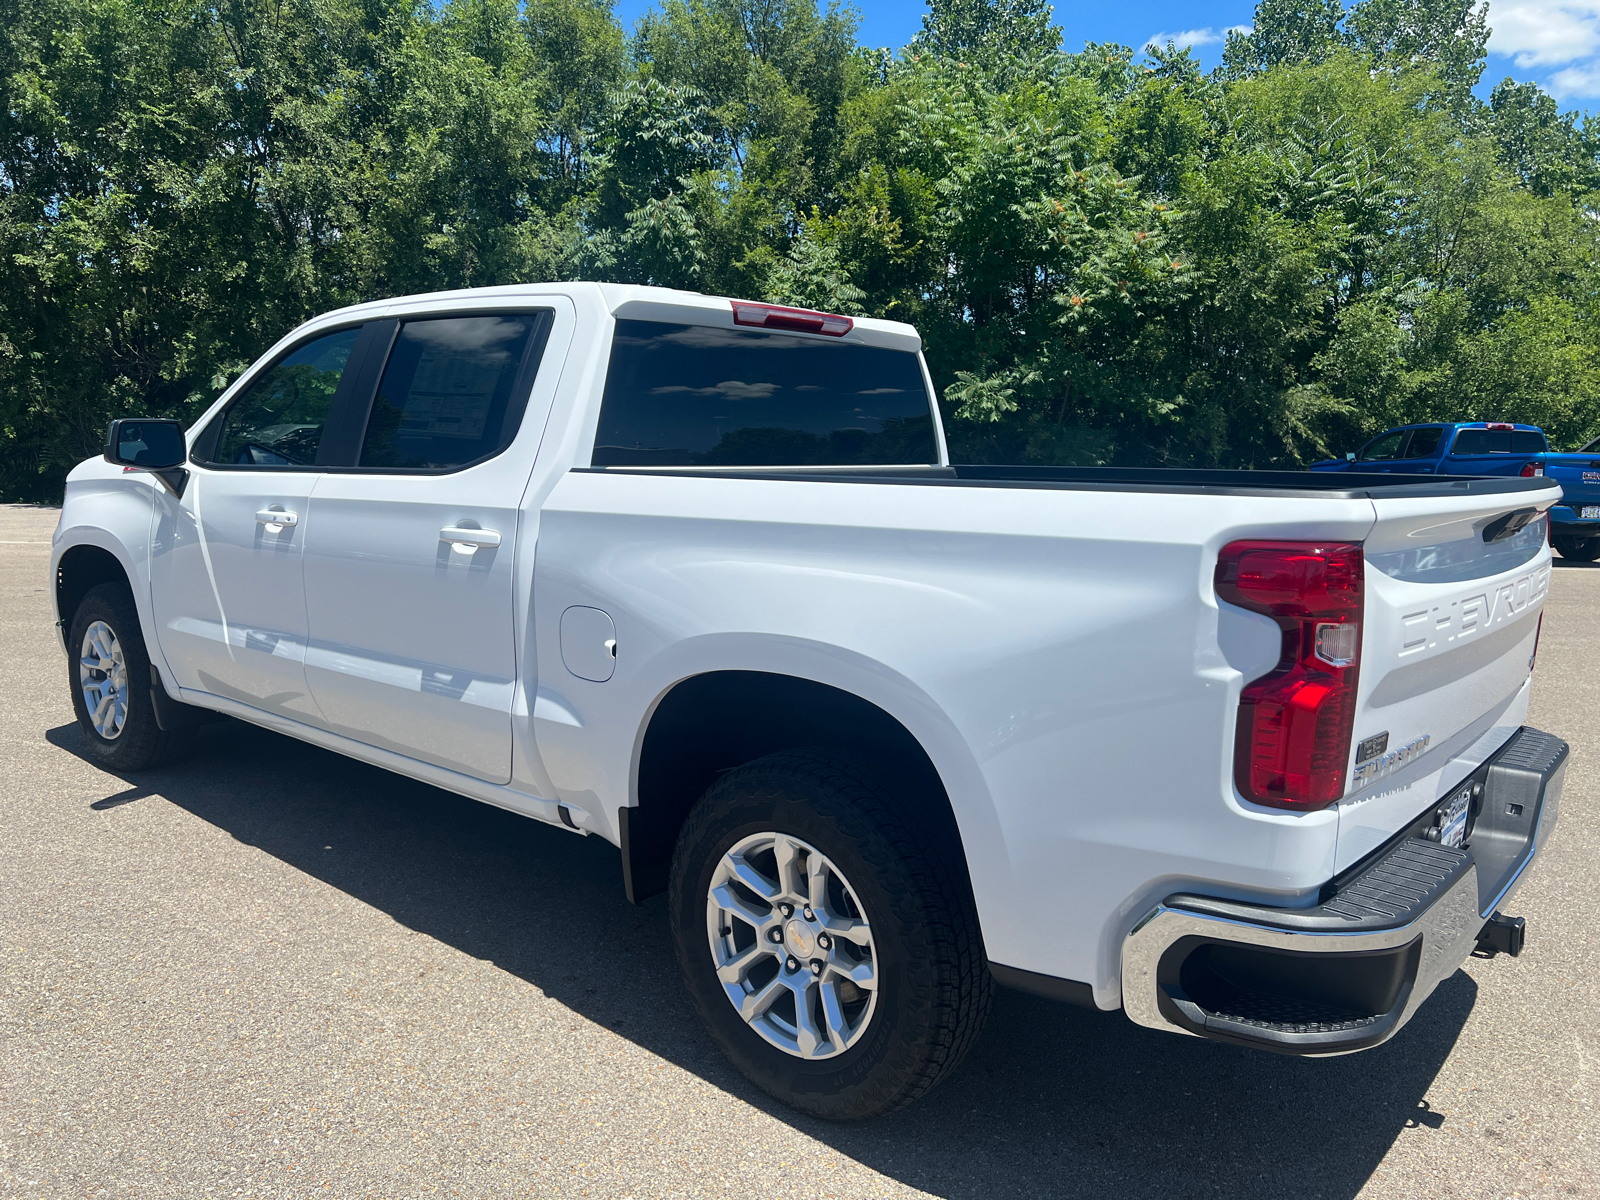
x=1578 y=549
x=832 y=959
x=109 y=673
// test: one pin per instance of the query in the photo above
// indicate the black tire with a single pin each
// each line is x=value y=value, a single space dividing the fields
x=934 y=985
x=141 y=742
x=1578 y=549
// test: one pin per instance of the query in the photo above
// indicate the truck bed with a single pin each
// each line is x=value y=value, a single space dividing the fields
x=1169 y=480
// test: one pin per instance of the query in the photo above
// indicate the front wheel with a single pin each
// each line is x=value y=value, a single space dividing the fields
x=1578 y=549
x=109 y=672
x=831 y=959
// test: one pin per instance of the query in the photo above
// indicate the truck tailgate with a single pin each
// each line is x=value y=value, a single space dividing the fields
x=1578 y=475
x=1454 y=591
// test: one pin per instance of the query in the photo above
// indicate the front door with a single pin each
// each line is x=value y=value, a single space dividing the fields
x=226 y=571
x=409 y=568
x=1421 y=452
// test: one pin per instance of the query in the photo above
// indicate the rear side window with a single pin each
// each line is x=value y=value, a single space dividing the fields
x=699 y=395
x=1424 y=442
x=450 y=391
x=1499 y=441
x=278 y=421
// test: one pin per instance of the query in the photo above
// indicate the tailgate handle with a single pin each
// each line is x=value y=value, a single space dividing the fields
x=1509 y=525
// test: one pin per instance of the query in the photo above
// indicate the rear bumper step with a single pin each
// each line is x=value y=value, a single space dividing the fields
x=1351 y=971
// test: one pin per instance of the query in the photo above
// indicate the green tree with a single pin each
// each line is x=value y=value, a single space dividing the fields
x=1111 y=258
x=988 y=29
x=1546 y=148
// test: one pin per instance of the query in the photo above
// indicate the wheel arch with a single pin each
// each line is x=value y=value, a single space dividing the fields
x=708 y=723
x=81 y=567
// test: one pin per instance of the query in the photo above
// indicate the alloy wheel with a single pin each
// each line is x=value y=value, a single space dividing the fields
x=103 y=677
x=792 y=946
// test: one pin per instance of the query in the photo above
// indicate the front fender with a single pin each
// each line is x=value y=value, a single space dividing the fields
x=113 y=511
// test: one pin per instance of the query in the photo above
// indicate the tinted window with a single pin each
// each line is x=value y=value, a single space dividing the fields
x=1387 y=446
x=1525 y=441
x=1424 y=442
x=446 y=394
x=278 y=421
x=1591 y=448
x=1499 y=441
x=695 y=395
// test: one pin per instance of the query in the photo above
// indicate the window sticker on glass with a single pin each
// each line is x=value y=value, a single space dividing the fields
x=445 y=391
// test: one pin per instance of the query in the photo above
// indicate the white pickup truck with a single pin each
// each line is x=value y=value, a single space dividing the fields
x=1241 y=753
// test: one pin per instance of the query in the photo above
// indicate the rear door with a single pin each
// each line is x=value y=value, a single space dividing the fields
x=1454 y=590
x=409 y=575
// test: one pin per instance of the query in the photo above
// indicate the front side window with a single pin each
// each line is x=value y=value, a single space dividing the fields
x=446 y=397
x=1385 y=447
x=700 y=395
x=278 y=420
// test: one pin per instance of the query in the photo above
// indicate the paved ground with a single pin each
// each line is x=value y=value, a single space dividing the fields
x=270 y=971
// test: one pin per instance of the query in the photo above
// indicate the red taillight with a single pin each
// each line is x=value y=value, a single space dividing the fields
x=1292 y=744
x=801 y=320
x=1498 y=425
x=1529 y=470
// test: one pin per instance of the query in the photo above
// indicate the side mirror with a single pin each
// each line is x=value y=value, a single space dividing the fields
x=1350 y=456
x=148 y=444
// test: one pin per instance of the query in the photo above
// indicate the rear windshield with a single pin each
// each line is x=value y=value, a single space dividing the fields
x=1499 y=441
x=699 y=395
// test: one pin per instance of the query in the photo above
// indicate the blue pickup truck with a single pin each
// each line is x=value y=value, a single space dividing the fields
x=1495 y=448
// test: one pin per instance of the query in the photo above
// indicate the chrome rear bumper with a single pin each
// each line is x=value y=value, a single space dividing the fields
x=1350 y=972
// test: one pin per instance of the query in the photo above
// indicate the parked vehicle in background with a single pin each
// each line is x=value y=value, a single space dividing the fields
x=1241 y=753
x=1495 y=448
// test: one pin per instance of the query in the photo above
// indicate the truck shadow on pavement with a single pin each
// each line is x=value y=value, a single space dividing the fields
x=1053 y=1101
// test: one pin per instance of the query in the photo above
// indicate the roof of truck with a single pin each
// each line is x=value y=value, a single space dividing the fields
x=628 y=301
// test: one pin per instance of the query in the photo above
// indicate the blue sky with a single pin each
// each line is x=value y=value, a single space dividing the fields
x=1556 y=42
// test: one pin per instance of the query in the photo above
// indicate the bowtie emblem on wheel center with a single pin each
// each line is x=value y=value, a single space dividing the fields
x=801 y=939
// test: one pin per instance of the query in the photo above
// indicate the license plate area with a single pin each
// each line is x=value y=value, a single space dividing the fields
x=1589 y=512
x=1451 y=816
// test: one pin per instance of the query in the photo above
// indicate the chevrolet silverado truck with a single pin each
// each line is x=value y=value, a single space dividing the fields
x=1242 y=754
x=1495 y=448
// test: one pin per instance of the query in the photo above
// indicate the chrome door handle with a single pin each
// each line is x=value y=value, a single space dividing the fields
x=271 y=516
x=486 y=538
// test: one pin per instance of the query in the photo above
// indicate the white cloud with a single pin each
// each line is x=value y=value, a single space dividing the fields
x=1576 y=81
x=1195 y=37
x=1544 y=33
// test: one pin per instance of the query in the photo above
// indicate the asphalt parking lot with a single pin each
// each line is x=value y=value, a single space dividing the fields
x=270 y=971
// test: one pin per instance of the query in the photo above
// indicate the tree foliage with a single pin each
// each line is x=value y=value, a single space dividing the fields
x=1110 y=259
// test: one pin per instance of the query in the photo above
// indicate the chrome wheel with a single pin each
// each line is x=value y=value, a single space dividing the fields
x=103 y=677
x=792 y=946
